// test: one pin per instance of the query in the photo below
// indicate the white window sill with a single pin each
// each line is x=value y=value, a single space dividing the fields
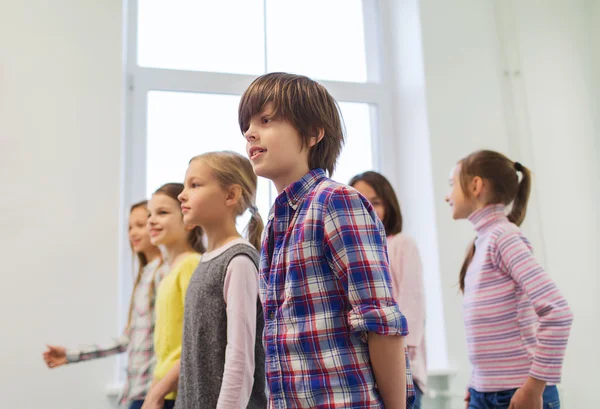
x=114 y=389
x=442 y=372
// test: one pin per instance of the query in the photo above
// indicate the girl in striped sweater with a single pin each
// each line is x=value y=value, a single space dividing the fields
x=516 y=321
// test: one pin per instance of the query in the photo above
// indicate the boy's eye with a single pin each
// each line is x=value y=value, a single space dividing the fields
x=195 y=185
x=265 y=120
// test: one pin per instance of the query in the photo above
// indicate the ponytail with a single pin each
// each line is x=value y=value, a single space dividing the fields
x=519 y=206
x=195 y=239
x=255 y=228
x=465 y=266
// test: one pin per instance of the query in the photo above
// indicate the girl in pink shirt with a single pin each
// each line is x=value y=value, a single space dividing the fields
x=406 y=270
x=516 y=321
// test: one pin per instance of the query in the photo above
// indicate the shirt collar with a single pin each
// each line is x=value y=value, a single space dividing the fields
x=486 y=216
x=297 y=191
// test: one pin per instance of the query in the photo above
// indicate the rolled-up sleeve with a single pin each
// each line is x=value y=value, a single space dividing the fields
x=356 y=248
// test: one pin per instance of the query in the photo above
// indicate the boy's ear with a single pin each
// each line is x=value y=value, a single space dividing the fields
x=317 y=138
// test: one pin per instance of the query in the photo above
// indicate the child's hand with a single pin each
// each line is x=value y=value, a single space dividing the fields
x=153 y=401
x=467 y=399
x=529 y=396
x=55 y=356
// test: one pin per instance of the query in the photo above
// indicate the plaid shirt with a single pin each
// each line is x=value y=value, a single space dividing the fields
x=324 y=284
x=137 y=341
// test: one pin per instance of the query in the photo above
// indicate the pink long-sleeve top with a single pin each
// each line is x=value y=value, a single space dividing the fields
x=517 y=323
x=408 y=290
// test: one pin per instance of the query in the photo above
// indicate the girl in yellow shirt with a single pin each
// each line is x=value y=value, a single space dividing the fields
x=181 y=246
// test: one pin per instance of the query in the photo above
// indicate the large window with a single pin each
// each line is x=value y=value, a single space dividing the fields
x=189 y=61
x=183 y=124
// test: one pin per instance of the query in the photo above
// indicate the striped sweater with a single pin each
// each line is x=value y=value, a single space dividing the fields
x=516 y=321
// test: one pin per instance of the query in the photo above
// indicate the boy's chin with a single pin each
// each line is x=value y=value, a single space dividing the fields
x=260 y=171
x=189 y=222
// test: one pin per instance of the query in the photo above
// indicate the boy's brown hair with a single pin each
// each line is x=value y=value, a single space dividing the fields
x=306 y=105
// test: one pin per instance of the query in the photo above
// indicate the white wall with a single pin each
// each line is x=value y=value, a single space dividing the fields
x=465 y=112
x=60 y=126
x=558 y=73
x=545 y=115
x=593 y=7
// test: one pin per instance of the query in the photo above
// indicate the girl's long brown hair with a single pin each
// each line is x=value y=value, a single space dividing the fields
x=392 y=220
x=142 y=262
x=501 y=174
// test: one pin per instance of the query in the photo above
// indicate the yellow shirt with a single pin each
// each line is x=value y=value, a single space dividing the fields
x=168 y=330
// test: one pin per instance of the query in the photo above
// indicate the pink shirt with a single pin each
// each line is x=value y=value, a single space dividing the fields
x=517 y=323
x=240 y=292
x=408 y=290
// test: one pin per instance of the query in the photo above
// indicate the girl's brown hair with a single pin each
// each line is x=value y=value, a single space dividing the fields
x=505 y=188
x=305 y=104
x=173 y=190
x=142 y=262
x=231 y=168
x=392 y=220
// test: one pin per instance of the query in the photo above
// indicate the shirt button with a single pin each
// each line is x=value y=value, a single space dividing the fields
x=272 y=315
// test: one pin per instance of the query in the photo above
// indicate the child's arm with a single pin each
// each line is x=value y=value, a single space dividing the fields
x=240 y=291
x=389 y=366
x=161 y=388
x=56 y=356
x=555 y=317
x=355 y=247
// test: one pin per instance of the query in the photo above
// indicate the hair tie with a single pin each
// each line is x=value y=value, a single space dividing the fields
x=253 y=210
x=518 y=167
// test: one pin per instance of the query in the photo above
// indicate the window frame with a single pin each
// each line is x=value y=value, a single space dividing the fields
x=377 y=92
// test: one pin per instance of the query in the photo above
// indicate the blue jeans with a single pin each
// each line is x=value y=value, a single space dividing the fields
x=501 y=400
x=418 y=396
x=137 y=404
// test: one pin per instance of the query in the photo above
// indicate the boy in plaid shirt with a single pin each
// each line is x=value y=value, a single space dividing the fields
x=333 y=336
